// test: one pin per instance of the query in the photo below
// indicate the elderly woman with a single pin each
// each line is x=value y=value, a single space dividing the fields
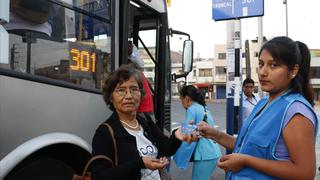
x=139 y=141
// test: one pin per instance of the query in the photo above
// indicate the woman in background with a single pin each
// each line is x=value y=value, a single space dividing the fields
x=205 y=152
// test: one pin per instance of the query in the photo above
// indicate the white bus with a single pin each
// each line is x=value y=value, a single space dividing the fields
x=54 y=56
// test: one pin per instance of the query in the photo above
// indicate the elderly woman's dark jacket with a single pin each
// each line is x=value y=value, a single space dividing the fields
x=130 y=162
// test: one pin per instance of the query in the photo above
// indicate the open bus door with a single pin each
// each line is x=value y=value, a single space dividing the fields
x=148 y=29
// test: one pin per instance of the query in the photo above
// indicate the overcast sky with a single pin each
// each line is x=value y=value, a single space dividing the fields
x=195 y=18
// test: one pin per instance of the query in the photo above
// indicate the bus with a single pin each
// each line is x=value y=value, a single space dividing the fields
x=54 y=57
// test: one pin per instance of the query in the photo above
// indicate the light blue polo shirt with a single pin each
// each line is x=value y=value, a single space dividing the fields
x=206 y=148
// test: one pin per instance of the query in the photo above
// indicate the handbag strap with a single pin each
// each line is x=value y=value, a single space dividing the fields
x=114 y=143
x=96 y=157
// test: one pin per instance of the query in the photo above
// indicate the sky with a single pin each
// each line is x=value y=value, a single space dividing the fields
x=195 y=18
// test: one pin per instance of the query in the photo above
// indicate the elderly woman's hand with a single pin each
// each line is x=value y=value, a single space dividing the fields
x=189 y=138
x=179 y=134
x=186 y=137
x=153 y=164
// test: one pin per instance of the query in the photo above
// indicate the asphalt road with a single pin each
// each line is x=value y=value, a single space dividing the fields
x=218 y=111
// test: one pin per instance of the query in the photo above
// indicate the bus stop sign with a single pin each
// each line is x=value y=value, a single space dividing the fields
x=236 y=9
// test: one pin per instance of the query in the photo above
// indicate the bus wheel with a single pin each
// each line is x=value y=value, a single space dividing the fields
x=43 y=169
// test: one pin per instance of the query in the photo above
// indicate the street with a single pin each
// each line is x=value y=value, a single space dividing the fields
x=218 y=110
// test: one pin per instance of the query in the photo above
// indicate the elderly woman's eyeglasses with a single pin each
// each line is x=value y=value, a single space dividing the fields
x=134 y=91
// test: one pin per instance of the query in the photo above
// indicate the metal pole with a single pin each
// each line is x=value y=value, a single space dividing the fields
x=28 y=66
x=248 y=63
x=13 y=52
x=260 y=32
x=237 y=78
x=230 y=78
x=286 y=4
x=27 y=38
x=260 y=42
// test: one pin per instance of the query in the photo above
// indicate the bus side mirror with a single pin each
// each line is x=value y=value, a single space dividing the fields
x=187 y=58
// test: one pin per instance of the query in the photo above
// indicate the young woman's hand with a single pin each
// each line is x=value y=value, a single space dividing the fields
x=207 y=131
x=153 y=164
x=232 y=162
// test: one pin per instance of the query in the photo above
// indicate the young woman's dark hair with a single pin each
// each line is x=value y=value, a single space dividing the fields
x=288 y=52
x=193 y=93
x=121 y=75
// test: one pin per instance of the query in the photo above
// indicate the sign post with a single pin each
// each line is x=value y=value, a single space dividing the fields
x=227 y=10
x=230 y=78
x=237 y=74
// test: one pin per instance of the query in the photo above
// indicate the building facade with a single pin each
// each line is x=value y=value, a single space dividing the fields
x=202 y=76
x=210 y=75
x=220 y=65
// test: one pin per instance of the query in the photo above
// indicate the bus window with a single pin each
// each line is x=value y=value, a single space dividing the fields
x=71 y=46
x=100 y=8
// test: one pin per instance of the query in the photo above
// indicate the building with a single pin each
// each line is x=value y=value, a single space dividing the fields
x=315 y=73
x=220 y=65
x=220 y=68
x=210 y=75
x=149 y=65
x=219 y=72
x=200 y=76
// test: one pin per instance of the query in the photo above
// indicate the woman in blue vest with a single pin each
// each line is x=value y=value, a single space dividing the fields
x=205 y=152
x=277 y=141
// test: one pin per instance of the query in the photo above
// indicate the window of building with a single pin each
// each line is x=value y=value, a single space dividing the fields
x=244 y=70
x=148 y=69
x=220 y=70
x=194 y=73
x=222 y=56
x=315 y=72
x=205 y=72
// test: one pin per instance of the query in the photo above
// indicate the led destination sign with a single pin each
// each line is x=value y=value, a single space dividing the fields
x=82 y=58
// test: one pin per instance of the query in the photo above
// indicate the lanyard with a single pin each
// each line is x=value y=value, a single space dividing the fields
x=251 y=101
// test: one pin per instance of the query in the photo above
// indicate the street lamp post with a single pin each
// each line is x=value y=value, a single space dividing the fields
x=286 y=4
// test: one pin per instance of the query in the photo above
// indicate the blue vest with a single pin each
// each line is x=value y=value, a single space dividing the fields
x=260 y=132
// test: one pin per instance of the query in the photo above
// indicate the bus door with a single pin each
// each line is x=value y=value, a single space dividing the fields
x=148 y=29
